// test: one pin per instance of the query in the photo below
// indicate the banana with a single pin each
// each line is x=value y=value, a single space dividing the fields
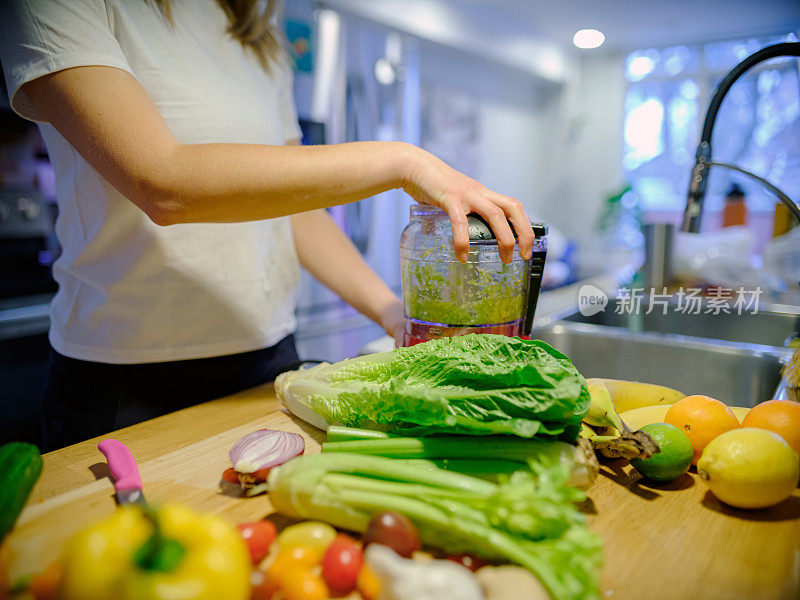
x=608 y=433
x=740 y=412
x=639 y=417
x=602 y=411
x=628 y=395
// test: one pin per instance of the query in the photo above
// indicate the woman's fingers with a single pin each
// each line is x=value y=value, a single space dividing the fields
x=434 y=182
x=458 y=223
x=515 y=213
x=497 y=210
x=496 y=217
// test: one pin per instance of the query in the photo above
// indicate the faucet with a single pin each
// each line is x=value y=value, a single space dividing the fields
x=697 y=185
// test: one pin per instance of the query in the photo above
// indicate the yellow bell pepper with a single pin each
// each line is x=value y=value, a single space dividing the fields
x=169 y=553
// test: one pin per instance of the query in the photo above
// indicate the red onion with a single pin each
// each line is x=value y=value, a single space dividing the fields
x=265 y=448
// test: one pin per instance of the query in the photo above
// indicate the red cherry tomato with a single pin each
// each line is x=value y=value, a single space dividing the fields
x=230 y=476
x=472 y=562
x=262 y=474
x=259 y=537
x=341 y=564
x=394 y=530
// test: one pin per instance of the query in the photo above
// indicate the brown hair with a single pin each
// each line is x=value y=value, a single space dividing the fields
x=249 y=25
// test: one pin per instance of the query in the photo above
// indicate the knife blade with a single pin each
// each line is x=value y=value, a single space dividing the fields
x=127 y=481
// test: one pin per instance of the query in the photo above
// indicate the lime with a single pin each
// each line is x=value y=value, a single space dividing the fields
x=749 y=468
x=675 y=457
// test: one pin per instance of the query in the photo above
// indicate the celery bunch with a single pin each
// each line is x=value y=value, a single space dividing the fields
x=529 y=517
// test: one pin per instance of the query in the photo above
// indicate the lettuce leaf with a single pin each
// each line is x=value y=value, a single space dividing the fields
x=473 y=384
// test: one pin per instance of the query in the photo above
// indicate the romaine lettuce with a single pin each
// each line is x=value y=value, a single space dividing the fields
x=473 y=384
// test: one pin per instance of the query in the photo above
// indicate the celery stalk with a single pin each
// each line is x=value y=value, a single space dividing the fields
x=529 y=518
x=339 y=433
x=461 y=446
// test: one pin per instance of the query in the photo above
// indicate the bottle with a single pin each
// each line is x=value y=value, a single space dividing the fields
x=735 y=212
x=783 y=220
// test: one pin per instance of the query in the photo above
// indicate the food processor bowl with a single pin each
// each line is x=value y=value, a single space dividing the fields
x=443 y=297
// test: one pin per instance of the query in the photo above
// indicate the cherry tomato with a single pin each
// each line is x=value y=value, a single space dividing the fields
x=472 y=562
x=341 y=564
x=262 y=474
x=394 y=530
x=368 y=583
x=259 y=537
x=309 y=533
x=44 y=585
x=303 y=584
x=261 y=588
x=230 y=476
x=299 y=557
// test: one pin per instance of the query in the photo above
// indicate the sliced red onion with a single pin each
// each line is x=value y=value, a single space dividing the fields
x=265 y=448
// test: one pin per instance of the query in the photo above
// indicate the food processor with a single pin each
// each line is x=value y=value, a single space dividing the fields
x=443 y=297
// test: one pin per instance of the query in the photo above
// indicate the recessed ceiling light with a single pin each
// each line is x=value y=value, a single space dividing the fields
x=384 y=72
x=588 y=38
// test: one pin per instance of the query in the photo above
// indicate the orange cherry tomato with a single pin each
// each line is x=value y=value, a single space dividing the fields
x=292 y=559
x=303 y=584
x=368 y=584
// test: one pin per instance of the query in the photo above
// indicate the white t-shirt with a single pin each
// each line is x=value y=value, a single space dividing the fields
x=131 y=291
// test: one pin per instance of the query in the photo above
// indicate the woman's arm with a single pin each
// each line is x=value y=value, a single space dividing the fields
x=331 y=257
x=109 y=118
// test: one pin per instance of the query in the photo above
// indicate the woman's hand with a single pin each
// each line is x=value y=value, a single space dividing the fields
x=393 y=321
x=431 y=181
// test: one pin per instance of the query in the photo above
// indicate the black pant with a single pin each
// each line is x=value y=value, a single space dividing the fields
x=85 y=399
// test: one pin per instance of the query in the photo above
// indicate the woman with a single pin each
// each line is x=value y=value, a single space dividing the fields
x=185 y=204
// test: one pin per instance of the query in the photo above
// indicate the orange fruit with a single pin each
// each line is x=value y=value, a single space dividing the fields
x=702 y=419
x=779 y=416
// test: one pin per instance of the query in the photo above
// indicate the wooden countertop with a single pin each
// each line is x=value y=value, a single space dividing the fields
x=673 y=541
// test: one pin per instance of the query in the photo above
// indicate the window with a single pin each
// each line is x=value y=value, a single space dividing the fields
x=757 y=128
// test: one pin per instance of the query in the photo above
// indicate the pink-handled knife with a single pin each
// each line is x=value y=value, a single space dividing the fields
x=127 y=482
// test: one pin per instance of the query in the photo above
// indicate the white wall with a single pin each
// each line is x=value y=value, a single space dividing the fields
x=513 y=115
x=583 y=128
x=557 y=148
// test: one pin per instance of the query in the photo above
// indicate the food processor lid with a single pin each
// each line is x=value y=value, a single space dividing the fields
x=480 y=231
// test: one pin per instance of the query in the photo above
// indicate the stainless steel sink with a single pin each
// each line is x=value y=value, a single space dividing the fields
x=772 y=325
x=737 y=374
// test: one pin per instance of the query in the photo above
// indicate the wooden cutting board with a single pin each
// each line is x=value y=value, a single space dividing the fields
x=673 y=541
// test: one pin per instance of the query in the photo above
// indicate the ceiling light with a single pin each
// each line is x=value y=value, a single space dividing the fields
x=588 y=38
x=384 y=71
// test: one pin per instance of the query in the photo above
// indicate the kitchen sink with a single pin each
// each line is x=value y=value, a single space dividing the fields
x=737 y=374
x=772 y=325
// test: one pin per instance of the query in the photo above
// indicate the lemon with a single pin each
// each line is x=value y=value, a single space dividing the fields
x=674 y=458
x=749 y=468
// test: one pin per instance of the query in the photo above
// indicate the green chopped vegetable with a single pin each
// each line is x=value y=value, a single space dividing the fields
x=529 y=518
x=471 y=384
x=452 y=293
